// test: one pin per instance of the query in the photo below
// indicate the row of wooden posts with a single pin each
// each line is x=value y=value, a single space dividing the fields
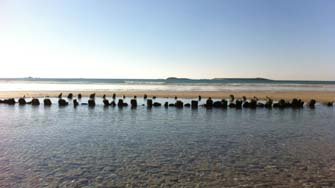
x=232 y=103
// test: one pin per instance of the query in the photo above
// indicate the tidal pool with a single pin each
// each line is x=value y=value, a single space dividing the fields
x=111 y=147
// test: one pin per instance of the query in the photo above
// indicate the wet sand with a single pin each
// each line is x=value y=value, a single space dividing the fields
x=323 y=96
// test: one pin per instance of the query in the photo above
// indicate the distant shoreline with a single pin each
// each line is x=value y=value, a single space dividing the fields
x=173 y=80
x=319 y=96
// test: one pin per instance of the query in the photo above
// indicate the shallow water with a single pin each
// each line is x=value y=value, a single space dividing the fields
x=111 y=147
x=100 y=85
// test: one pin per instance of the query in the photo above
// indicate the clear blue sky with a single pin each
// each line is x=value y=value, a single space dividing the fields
x=278 y=39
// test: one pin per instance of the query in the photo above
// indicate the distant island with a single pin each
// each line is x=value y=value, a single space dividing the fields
x=257 y=78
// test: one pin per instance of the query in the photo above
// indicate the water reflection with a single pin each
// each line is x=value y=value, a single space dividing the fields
x=68 y=147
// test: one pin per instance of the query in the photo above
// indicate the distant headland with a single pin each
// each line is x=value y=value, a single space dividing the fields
x=218 y=79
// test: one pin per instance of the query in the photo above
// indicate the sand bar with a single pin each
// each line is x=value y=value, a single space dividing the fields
x=320 y=96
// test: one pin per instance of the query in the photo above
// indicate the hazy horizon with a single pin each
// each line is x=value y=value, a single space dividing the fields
x=146 y=39
x=106 y=78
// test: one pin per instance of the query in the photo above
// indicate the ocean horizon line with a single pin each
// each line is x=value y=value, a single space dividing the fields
x=164 y=79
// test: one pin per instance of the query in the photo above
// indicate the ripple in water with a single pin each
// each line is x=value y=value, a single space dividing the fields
x=111 y=147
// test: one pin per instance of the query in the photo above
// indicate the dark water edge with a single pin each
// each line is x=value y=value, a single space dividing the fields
x=111 y=147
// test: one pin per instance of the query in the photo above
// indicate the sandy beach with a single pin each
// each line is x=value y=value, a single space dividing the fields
x=320 y=96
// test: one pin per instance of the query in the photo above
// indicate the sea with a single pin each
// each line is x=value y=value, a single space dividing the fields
x=169 y=84
x=115 y=147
